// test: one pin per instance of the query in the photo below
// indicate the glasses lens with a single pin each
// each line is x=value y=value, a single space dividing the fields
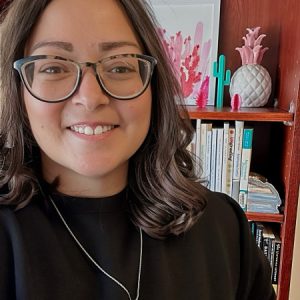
x=50 y=79
x=125 y=76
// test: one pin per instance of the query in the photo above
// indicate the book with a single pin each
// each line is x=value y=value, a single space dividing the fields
x=219 y=160
x=203 y=131
x=268 y=237
x=237 y=158
x=252 y=225
x=213 y=159
x=208 y=152
x=225 y=156
x=235 y=189
x=238 y=144
x=229 y=170
x=192 y=145
x=245 y=166
x=259 y=234
x=276 y=263
x=275 y=287
x=269 y=246
x=197 y=148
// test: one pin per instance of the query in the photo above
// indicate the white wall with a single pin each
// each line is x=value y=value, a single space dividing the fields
x=295 y=282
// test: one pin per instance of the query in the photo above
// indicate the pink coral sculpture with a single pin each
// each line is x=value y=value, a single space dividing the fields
x=190 y=61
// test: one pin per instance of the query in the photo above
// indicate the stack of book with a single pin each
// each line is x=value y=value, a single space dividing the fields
x=224 y=157
x=262 y=196
x=269 y=242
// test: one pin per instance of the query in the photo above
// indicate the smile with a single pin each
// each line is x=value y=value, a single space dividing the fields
x=87 y=130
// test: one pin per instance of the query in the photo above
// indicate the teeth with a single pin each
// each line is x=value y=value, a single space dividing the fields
x=87 y=130
x=99 y=129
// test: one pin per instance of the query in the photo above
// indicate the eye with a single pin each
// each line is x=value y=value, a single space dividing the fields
x=122 y=69
x=119 y=66
x=53 y=69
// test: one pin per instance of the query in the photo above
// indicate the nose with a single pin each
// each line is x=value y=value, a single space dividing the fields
x=90 y=94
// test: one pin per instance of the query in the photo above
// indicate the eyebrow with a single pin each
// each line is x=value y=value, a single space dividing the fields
x=56 y=44
x=103 y=47
x=108 y=46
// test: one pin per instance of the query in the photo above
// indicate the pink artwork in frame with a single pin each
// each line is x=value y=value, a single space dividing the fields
x=189 y=31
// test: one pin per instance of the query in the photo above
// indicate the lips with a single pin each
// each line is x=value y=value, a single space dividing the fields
x=91 y=130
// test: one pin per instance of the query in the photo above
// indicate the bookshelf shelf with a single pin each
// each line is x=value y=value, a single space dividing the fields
x=260 y=217
x=244 y=114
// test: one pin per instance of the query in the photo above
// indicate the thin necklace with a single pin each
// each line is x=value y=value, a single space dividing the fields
x=96 y=264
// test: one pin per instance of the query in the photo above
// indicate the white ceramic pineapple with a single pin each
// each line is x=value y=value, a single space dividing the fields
x=251 y=81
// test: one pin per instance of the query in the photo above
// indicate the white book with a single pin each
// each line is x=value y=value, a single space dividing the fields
x=219 y=160
x=203 y=132
x=229 y=170
x=225 y=156
x=192 y=145
x=198 y=142
x=245 y=166
x=213 y=159
x=235 y=189
x=208 y=152
x=238 y=143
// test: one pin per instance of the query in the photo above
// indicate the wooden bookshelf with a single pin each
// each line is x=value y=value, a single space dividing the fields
x=280 y=22
x=250 y=114
x=260 y=217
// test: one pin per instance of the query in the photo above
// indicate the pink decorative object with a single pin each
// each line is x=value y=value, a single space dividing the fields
x=252 y=52
x=252 y=81
x=236 y=101
x=201 y=100
x=190 y=61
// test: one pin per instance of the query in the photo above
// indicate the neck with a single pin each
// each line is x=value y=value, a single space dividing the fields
x=91 y=187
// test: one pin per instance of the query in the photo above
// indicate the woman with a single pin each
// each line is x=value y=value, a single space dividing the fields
x=99 y=199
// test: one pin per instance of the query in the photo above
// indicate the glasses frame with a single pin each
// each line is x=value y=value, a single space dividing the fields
x=19 y=64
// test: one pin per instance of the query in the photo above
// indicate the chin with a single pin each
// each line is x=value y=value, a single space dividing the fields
x=99 y=171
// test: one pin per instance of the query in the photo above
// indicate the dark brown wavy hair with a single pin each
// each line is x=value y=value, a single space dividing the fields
x=166 y=196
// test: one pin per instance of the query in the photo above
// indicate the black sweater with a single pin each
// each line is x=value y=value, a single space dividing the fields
x=216 y=260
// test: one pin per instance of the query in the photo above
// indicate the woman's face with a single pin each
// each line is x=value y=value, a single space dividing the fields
x=89 y=165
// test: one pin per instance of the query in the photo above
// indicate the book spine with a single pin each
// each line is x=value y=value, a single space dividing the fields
x=208 y=152
x=269 y=244
x=266 y=243
x=238 y=144
x=276 y=260
x=272 y=252
x=252 y=225
x=213 y=159
x=192 y=145
x=230 y=161
x=235 y=190
x=225 y=156
x=259 y=235
x=219 y=160
x=245 y=166
x=197 y=148
x=237 y=158
x=203 y=132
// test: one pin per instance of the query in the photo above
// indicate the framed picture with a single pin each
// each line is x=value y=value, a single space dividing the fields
x=190 y=32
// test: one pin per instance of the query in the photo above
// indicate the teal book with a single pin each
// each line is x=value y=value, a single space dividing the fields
x=245 y=166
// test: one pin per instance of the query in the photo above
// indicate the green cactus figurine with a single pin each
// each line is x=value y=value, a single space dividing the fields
x=219 y=74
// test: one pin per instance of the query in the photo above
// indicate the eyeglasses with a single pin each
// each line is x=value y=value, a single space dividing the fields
x=55 y=79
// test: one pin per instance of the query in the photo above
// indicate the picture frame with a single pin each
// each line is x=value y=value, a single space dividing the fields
x=190 y=33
